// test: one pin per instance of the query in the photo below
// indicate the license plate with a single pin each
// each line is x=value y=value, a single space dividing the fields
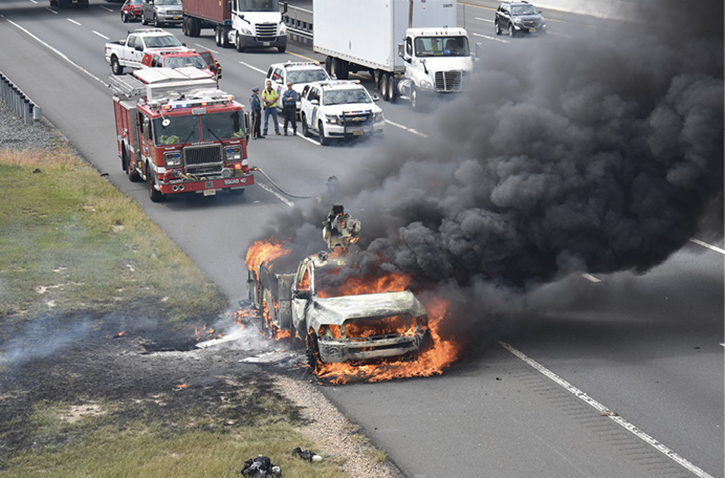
x=358 y=132
x=174 y=18
x=532 y=30
x=266 y=43
x=210 y=192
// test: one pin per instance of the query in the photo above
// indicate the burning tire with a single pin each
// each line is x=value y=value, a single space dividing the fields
x=313 y=352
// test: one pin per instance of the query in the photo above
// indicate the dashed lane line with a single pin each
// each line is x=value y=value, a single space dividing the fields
x=100 y=35
x=607 y=412
x=74 y=22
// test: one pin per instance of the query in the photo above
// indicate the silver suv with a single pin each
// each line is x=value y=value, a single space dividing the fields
x=159 y=12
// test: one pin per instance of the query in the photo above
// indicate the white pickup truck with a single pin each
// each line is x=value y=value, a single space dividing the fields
x=129 y=53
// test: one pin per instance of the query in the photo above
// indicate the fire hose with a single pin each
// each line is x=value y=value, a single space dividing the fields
x=256 y=168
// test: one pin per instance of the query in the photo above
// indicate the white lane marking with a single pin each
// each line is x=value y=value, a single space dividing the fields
x=73 y=21
x=206 y=49
x=607 y=412
x=590 y=277
x=275 y=193
x=709 y=246
x=101 y=35
x=410 y=130
x=106 y=8
x=489 y=37
x=484 y=19
x=58 y=53
x=253 y=67
x=51 y=10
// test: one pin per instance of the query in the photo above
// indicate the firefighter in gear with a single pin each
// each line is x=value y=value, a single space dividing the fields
x=289 y=108
x=340 y=230
x=270 y=97
x=255 y=105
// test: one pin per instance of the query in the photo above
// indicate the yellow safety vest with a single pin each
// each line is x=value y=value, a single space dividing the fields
x=268 y=95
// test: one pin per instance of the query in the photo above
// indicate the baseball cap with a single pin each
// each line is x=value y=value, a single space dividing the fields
x=256 y=88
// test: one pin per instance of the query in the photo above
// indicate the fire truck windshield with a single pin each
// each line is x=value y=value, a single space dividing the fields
x=185 y=129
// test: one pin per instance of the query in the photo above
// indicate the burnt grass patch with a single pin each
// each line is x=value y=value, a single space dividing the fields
x=151 y=376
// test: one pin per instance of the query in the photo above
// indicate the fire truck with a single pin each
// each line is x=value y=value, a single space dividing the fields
x=179 y=133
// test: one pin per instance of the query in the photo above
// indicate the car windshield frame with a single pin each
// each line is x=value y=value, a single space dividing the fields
x=307 y=76
x=211 y=126
x=439 y=46
x=259 y=5
x=162 y=41
x=346 y=96
x=523 y=10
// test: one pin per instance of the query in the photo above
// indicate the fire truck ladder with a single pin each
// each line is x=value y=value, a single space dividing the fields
x=127 y=85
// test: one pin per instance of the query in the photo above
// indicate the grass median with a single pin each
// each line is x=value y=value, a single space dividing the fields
x=76 y=252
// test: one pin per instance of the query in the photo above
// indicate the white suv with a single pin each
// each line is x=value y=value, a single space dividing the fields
x=299 y=73
x=340 y=109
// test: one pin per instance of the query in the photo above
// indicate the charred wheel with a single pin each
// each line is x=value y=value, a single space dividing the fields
x=313 y=352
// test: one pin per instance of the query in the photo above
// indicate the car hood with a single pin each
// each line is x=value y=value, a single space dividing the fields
x=336 y=310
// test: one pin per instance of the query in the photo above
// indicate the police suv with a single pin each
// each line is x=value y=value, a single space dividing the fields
x=299 y=73
x=340 y=109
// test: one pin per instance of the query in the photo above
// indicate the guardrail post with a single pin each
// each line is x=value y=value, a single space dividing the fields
x=19 y=101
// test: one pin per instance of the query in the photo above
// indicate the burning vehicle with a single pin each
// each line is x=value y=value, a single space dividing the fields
x=341 y=316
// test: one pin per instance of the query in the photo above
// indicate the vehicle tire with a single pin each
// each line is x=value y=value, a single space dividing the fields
x=392 y=93
x=282 y=49
x=124 y=17
x=116 y=67
x=194 y=27
x=340 y=69
x=157 y=24
x=415 y=99
x=224 y=38
x=497 y=27
x=305 y=129
x=154 y=194
x=218 y=36
x=321 y=134
x=384 y=87
x=238 y=42
x=133 y=175
x=512 y=33
x=143 y=19
x=328 y=65
x=313 y=352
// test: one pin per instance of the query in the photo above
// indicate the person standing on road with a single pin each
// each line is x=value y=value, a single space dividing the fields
x=289 y=108
x=255 y=104
x=270 y=98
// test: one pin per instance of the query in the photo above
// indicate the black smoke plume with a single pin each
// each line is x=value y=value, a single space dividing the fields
x=596 y=153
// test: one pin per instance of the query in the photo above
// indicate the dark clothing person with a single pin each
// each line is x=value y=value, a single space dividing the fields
x=289 y=108
x=255 y=104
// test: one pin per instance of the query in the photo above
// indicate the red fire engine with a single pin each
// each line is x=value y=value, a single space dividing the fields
x=179 y=133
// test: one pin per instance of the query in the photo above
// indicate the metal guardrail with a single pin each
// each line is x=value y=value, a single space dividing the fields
x=19 y=101
x=299 y=24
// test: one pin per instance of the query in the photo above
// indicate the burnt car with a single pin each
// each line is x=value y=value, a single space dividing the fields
x=131 y=10
x=519 y=18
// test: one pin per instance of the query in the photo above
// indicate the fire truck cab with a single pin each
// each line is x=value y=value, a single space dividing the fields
x=179 y=133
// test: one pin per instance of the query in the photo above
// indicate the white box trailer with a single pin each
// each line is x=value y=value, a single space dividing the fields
x=374 y=35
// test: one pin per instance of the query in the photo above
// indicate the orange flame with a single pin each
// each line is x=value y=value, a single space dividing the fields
x=182 y=386
x=440 y=355
x=262 y=251
x=121 y=333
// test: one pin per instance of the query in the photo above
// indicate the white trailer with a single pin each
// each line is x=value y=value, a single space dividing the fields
x=413 y=48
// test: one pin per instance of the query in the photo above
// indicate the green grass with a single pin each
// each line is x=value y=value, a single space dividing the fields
x=71 y=245
x=69 y=240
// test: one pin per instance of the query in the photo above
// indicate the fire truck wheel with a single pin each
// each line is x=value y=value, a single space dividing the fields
x=323 y=140
x=313 y=352
x=154 y=194
x=133 y=175
x=116 y=67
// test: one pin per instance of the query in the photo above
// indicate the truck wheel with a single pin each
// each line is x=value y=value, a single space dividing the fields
x=282 y=49
x=154 y=194
x=116 y=67
x=133 y=175
x=218 y=36
x=225 y=38
x=238 y=41
x=313 y=352
x=415 y=99
x=194 y=27
x=384 y=86
x=321 y=129
x=392 y=96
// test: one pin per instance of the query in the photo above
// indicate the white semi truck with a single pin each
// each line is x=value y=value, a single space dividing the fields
x=412 y=48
